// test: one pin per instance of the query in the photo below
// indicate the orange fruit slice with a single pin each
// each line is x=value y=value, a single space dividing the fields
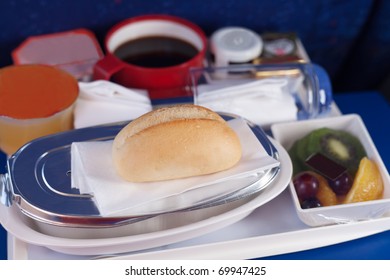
x=325 y=194
x=367 y=185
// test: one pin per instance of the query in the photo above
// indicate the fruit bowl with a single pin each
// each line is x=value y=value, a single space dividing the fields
x=346 y=207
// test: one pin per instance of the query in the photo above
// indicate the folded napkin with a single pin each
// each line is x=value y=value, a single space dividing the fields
x=102 y=102
x=263 y=101
x=93 y=173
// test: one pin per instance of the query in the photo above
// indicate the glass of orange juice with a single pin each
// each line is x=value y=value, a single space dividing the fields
x=35 y=100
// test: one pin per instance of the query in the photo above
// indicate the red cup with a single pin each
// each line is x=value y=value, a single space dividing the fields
x=162 y=81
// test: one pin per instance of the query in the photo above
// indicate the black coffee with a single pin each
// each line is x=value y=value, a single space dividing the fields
x=156 y=52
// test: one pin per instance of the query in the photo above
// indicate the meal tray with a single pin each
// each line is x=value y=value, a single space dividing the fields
x=259 y=234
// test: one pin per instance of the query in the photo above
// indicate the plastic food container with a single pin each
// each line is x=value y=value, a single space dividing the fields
x=287 y=133
x=35 y=100
x=264 y=94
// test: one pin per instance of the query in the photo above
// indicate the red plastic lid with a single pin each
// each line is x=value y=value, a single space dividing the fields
x=74 y=51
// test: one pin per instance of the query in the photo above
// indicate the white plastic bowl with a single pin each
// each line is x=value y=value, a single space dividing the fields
x=288 y=133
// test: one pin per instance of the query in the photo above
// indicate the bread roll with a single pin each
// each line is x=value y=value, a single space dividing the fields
x=175 y=142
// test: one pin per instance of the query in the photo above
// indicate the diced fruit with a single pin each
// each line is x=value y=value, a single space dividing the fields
x=325 y=194
x=340 y=146
x=306 y=185
x=367 y=185
x=311 y=203
x=301 y=154
x=342 y=184
x=297 y=163
x=331 y=167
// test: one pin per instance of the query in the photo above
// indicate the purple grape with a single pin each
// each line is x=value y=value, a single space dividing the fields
x=310 y=203
x=342 y=184
x=306 y=185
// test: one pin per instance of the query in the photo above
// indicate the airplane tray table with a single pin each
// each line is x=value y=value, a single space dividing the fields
x=256 y=236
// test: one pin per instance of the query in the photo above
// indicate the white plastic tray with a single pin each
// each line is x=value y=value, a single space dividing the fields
x=270 y=230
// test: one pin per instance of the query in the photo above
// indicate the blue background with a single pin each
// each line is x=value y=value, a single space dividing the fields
x=349 y=38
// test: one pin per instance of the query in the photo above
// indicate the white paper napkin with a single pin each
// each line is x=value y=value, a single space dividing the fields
x=102 y=102
x=93 y=173
x=263 y=102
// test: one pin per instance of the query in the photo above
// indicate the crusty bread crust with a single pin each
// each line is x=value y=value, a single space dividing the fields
x=167 y=114
x=175 y=142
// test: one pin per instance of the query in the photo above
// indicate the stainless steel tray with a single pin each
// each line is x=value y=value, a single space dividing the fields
x=39 y=181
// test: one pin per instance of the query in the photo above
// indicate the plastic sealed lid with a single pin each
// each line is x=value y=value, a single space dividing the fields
x=74 y=51
x=35 y=91
x=235 y=44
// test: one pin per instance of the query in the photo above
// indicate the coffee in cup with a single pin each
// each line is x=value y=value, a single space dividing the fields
x=153 y=52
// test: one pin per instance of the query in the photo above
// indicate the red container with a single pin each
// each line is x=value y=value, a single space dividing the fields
x=161 y=82
x=74 y=51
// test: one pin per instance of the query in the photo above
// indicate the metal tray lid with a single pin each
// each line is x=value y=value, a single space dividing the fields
x=38 y=180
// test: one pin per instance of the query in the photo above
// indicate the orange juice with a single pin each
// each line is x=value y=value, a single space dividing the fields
x=35 y=100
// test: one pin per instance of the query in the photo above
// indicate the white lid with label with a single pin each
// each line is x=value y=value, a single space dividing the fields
x=235 y=44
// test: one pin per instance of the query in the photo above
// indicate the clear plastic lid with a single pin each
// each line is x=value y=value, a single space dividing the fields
x=264 y=94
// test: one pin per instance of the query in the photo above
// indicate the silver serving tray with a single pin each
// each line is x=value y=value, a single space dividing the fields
x=38 y=181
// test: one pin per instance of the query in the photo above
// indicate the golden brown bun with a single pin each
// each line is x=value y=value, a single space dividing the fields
x=175 y=142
